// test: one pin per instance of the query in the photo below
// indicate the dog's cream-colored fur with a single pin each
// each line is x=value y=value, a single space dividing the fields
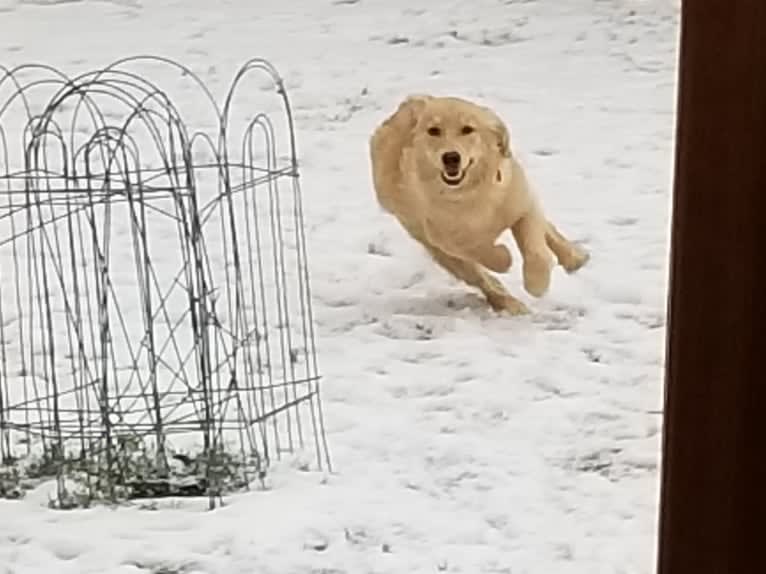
x=458 y=209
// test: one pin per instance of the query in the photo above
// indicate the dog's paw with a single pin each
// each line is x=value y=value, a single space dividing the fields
x=497 y=259
x=506 y=303
x=537 y=274
x=575 y=259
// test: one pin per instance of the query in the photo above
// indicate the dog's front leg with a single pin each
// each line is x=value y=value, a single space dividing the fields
x=496 y=258
x=530 y=235
x=497 y=295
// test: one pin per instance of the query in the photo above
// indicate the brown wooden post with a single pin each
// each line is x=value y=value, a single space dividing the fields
x=713 y=516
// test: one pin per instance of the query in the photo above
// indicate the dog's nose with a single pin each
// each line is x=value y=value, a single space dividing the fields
x=451 y=159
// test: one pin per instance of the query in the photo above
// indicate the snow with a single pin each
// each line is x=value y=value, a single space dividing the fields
x=461 y=441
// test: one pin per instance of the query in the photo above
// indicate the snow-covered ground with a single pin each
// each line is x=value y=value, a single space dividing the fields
x=462 y=441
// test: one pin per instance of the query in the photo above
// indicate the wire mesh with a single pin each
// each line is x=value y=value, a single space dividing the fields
x=156 y=331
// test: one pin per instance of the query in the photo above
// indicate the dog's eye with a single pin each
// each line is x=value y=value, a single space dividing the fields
x=434 y=131
x=467 y=130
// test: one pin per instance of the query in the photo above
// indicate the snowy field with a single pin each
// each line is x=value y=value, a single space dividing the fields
x=461 y=441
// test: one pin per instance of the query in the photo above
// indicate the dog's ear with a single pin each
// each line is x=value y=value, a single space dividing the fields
x=406 y=117
x=411 y=108
x=503 y=138
x=498 y=128
x=416 y=100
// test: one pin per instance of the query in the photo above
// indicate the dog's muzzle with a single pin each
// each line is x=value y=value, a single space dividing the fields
x=452 y=175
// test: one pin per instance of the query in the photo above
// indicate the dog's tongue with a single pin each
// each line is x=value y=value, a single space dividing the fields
x=453 y=172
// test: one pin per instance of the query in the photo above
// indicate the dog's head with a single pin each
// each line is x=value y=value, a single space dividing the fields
x=457 y=143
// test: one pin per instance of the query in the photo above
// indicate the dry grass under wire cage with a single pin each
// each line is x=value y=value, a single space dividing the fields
x=156 y=333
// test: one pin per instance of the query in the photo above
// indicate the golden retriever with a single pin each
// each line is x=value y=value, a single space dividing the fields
x=443 y=167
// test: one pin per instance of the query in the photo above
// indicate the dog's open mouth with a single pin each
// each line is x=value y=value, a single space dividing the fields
x=456 y=177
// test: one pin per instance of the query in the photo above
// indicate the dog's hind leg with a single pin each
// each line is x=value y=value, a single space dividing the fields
x=570 y=256
x=497 y=295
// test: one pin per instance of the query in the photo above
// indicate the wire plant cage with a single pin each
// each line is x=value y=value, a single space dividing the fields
x=156 y=331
